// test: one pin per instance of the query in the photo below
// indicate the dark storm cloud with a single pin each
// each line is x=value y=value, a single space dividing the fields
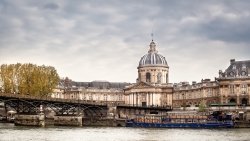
x=51 y=6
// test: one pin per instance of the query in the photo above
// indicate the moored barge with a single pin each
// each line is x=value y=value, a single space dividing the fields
x=217 y=119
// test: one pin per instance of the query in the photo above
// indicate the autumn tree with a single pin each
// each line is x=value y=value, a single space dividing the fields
x=28 y=79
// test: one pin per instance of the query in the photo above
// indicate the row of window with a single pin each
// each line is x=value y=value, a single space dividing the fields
x=197 y=94
x=193 y=95
x=97 y=97
x=243 y=89
x=148 y=77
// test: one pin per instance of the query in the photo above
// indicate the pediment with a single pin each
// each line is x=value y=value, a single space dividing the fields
x=142 y=85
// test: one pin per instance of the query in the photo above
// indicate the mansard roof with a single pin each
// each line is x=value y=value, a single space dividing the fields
x=238 y=68
x=97 y=84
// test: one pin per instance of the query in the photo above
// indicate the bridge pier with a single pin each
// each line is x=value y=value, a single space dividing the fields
x=68 y=120
x=30 y=120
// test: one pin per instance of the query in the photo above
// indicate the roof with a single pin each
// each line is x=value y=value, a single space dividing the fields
x=238 y=68
x=152 y=58
x=98 y=84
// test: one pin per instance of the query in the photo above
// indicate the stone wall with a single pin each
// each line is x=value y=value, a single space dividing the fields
x=103 y=122
x=68 y=120
x=30 y=120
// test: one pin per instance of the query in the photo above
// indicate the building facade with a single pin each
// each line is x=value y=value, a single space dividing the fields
x=96 y=91
x=153 y=88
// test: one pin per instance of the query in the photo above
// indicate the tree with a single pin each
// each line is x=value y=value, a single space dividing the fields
x=28 y=79
x=201 y=107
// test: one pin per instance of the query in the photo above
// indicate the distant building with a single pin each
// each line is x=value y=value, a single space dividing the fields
x=96 y=91
x=153 y=88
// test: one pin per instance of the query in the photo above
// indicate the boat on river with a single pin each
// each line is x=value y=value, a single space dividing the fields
x=182 y=119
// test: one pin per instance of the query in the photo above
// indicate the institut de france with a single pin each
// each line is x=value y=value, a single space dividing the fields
x=154 y=89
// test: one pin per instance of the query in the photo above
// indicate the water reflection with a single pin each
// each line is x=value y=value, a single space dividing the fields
x=9 y=132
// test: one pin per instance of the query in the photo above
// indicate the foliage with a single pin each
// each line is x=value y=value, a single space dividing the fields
x=28 y=79
x=201 y=107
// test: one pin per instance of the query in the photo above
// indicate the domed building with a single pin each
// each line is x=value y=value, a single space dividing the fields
x=152 y=87
x=153 y=67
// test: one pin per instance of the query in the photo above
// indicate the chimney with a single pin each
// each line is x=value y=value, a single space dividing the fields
x=193 y=82
x=67 y=82
x=232 y=61
x=205 y=80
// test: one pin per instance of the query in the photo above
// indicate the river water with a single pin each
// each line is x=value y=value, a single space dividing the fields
x=9 y=132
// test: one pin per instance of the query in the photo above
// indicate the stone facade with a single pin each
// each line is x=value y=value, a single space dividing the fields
x=96 y=91
x=153 y=88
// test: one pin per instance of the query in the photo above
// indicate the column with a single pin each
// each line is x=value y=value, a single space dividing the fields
x=137 y=98
x=133 y=99
x=152 y=98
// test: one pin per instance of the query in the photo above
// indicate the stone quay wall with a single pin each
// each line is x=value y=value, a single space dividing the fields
x=29 y=120
x=68 y=120
x=103 y=122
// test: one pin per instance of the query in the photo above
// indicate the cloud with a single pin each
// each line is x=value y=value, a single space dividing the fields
x=104 y=40
x=51 y=6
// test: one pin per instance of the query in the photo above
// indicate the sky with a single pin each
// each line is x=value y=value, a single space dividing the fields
x=104 y=40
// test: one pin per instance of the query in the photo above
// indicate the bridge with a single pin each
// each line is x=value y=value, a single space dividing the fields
x=30 y=109
x=31 y=104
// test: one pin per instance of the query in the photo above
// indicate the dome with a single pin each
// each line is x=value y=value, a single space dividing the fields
x=153 y=58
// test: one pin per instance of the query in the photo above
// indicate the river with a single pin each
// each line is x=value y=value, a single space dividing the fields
x=9 y=132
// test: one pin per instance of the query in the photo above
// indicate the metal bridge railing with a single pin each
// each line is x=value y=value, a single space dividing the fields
x=32 y=97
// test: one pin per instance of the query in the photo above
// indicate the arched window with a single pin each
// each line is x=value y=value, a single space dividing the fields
x=147 y=77
x=244 y=101
x=232 y=101
x=166 y=78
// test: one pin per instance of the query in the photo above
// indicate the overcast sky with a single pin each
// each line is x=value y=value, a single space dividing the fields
x=104 y=40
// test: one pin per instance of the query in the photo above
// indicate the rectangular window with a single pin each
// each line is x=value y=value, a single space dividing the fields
x=194 y=95
x=105 y=97
x=231 y=89
x=243 y=89
x=209 y=92
x=113 y=97
x=90 y=97
x=190 y=95
x=165 y=95
x=177 y=96
x=120 y=97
